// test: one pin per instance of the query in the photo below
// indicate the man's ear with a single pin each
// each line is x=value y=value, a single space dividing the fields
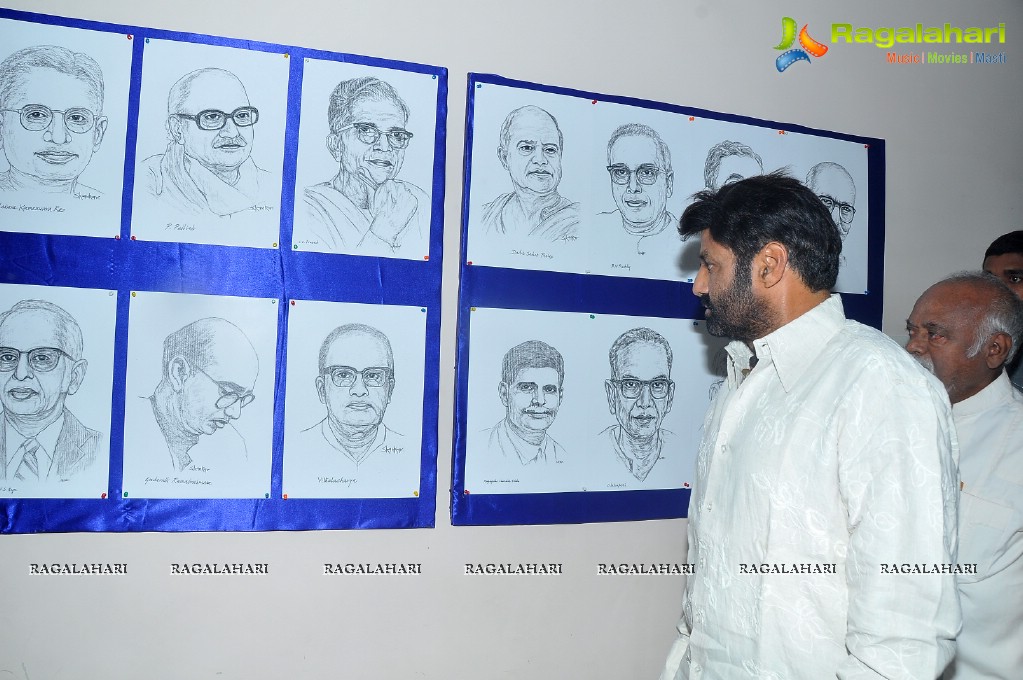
x=997 y=349
x=770 y=264
x=77 y=376
x=174 y=129
x=98 y=131
x=334 y=145
x=671 y=396
x=321 y=389
x=502 y=155
x=502 y=391
x=178 y=371
x=669 y=184
x=612 y=395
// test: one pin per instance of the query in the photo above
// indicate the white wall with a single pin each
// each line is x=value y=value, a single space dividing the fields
x=955 y=156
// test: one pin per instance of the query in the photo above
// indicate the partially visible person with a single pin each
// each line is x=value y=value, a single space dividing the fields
x=41 y=365
x=835 y=188
x=1004 y=259
x=207 y=169
x=639 y=395
x=530 y=149
x=639 y=165
x=827 y=456
x=51 y=120
x=729 y=162
x=964 y=329
x=366 y=202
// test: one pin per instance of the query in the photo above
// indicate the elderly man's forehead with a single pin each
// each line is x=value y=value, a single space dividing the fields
x=215 y=90
x=533 y=125
x=359 y=349
x=642 y=354
x=43 y=79
x=835 y=182
x=31 y=328
x=630 y=147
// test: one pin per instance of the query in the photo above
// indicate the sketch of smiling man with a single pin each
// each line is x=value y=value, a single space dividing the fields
x=209 y=370
x=365 y=201
x=207 y=168
x=52 y=123
x=639 y=394
x=532 y=375
x=530 y=150
x=41 y=365
x=355 y=383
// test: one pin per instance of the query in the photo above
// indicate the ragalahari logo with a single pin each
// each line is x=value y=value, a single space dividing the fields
x=808 y=44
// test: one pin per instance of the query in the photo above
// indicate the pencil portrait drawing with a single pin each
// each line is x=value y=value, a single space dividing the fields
x=41 y=365
x=729 y=162
x=51 y=103
x=365 y=203
x=835 y=187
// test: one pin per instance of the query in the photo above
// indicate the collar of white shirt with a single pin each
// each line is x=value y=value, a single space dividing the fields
x=793 y=348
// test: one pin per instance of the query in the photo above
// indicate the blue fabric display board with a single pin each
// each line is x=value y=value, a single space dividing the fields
x=584 y=368
x=220 y=281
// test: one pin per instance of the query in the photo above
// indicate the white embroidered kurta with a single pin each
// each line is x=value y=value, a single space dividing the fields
x=837 y=449
x=990 y=428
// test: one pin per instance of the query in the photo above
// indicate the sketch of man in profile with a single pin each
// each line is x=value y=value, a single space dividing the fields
x=207 y=169
x=51 y=120
x=530 y=149
x=639 y=165
x=729 y=162
x=835 y=187
x=355 y=382
x=209 y=370
x=532 y=376
x=41 y=365
x=639 y=395
x=365 y=201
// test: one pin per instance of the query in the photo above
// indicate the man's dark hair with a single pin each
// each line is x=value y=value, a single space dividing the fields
x=531 y=354
x=747 y=215
x=1011 y=243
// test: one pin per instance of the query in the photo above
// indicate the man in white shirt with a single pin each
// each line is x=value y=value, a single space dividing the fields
x=965 y=329
x=826 y=470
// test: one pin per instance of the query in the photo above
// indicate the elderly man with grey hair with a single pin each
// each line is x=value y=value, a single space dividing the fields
x=51 y=120
x=41 y=365
x=639 y=395
x=207 y=170
x=365 y=204
x=642 y=181
x=530 y=149
x=965 y=329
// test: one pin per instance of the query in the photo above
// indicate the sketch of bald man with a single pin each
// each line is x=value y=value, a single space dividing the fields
x=209 y=370
x=530 y=149
x=207 y=168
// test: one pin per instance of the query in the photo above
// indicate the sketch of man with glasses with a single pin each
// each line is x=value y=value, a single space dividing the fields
x=639 y=395
x=835 y=187
x=530 y=149
x=355 y=383
x=365 y=201
x=207 y=168
x=52 y=120
x=209 y=370
x=41 y=365
x=639 y=166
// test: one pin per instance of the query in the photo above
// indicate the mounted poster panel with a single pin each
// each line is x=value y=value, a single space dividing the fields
x=584 y=367
x=221 y=282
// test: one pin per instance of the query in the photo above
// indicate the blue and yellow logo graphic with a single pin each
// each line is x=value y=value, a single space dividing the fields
x=788 y=36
